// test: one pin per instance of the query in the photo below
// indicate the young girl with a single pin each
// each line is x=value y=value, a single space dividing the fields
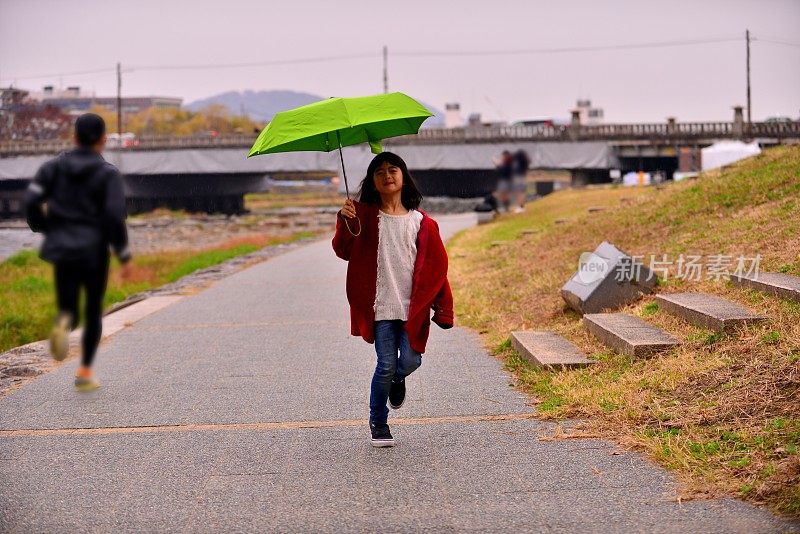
x=396 y=273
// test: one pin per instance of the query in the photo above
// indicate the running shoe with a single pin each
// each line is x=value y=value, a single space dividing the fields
x=86 y=383
x=59 y=337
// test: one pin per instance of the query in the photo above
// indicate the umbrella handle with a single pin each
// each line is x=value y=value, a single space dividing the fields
x=350 y=229
x=346 y=189
x=344 y=171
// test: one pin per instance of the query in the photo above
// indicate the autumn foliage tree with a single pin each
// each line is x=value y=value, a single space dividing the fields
x=211 y=120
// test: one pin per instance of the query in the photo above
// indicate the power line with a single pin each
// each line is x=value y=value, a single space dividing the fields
x=600 y=48
x=200 y=66
x=409 y=53
x=60 y=74
x=776 y=41
x=253 y=64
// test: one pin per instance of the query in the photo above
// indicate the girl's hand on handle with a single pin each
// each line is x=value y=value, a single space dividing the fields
x=349 y=209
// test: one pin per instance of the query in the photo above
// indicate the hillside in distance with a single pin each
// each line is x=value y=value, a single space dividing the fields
x=263 y=105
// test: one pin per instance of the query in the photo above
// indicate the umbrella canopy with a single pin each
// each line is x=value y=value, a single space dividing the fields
x=337 y=122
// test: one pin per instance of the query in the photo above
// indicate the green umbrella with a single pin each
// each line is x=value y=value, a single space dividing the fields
x=337 y=122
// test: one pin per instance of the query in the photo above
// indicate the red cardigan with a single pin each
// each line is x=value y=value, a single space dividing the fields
x=429 y=289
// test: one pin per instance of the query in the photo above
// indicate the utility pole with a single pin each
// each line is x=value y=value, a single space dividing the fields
x=119 y=101
x=385 y=69
x=749 y=116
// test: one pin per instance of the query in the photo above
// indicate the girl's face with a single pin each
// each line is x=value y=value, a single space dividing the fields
x=388 y=179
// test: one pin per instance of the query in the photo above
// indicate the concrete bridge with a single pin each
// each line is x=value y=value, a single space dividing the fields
x=213 y=174
x=670 y=133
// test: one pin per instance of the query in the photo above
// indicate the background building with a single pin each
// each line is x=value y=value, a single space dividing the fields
x=452 y=115
x=588 y=114
x=74 y=101
x=22 y=117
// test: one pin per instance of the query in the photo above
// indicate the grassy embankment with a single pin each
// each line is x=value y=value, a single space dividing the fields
x=722 y=411
x=26 y=283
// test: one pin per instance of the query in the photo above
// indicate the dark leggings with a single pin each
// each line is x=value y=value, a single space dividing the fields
x=70 y=278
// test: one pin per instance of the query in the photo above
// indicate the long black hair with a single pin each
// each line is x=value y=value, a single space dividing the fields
x=410 y=195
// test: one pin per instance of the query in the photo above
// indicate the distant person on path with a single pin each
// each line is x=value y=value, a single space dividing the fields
x=519 y=178
x=504 y=166
x=397 y=273
x=77 y=202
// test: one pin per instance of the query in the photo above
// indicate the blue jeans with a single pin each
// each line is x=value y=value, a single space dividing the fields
x=396 y=360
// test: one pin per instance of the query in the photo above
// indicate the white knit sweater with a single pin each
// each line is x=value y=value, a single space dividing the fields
x=397 y=253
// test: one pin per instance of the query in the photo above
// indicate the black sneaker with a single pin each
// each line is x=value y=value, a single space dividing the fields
x=397 y=394
x=381 y=437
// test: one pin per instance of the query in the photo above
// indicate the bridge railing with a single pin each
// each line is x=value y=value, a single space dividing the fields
x=38 y=146
x=658 y=130
x=53 y=146
x=671 y=132
x=481 y=134
x=775 y=129
x=652 y=132
x=194 y=141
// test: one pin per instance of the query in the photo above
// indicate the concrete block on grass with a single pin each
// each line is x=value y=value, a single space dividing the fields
x=607 y=279
x=548 y=349
x=628 y=335
x=707 y=311
x=781 y=285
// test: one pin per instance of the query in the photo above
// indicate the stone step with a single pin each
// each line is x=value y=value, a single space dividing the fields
x=707 y=311
x=627 y=334
x=779 y=284
x=547 y=349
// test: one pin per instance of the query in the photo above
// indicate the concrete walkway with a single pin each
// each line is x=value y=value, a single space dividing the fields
x=243 y=408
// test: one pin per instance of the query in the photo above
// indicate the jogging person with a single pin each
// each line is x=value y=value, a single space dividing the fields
x=504 y=165
x=77 y=201
x=396 y=273
x=519 y=180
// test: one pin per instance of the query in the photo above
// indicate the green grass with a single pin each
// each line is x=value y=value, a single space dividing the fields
x=207 y=259
x=649 y=309
x=771 y=338
x=25 y=284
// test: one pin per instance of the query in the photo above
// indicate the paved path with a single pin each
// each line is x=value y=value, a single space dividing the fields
x=244 y=408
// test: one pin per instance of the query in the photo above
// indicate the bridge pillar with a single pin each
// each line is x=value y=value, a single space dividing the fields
x=738 y=122
x=575 y=125
x=689 y=159
x=670 y=125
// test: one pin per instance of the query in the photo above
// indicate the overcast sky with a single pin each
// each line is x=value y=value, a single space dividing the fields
x=690 y=82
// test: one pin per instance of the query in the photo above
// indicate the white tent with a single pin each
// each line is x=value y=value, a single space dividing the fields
x=726 y=152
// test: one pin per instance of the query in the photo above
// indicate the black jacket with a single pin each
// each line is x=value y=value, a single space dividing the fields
x=85 y=208
x=521 y=162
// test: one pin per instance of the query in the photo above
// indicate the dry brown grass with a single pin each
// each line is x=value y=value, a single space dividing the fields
x=722 y=411
x=274 y=200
